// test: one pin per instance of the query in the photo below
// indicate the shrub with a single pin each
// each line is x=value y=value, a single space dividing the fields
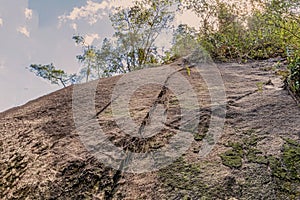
x=294 y=77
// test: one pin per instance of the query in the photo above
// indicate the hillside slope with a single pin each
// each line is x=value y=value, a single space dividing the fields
x=43 y=153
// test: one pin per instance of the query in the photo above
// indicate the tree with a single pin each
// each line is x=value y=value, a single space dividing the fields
x=184 y=40
x=284 y=15
x=55 y=76
x=88 y=58
x=133 y=44
x=137 y=29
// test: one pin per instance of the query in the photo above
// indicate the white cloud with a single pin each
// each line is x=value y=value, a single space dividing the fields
x=1 y=22
x=2 y=64
x=28 y=14
x=189 y=18
x=23 y=30
x=74 y=26
x=89 y=38
x=93 y=11
x=89 y=12
x=121 y=3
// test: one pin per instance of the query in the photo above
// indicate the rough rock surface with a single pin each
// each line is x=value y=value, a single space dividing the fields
x=42 y=155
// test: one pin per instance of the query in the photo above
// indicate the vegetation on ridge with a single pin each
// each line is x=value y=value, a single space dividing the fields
x=227 y=32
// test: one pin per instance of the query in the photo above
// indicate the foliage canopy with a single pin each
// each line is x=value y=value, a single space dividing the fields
x=262 y=29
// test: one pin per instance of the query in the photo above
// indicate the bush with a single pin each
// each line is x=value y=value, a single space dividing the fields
x=270 y=30
x=294 y=77
x=264 y=32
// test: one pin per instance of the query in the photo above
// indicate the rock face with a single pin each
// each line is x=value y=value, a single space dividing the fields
x=50 y=148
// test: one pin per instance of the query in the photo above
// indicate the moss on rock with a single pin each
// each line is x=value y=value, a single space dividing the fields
x=232 y=159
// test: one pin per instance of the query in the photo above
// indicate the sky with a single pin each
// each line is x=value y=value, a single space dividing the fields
x=40 y=32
